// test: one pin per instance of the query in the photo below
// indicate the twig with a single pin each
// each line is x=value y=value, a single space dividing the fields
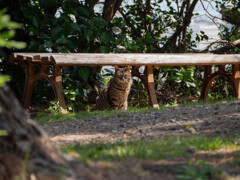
x=135 y=31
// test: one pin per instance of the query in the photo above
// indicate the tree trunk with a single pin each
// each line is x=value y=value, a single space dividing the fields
x=110 y=9
x=25 y=150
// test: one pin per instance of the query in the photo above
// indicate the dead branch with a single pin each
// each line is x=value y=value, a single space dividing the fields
x=226 y=48
x=221 y=50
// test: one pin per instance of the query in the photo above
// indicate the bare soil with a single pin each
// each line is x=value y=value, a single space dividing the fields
x=218 y=119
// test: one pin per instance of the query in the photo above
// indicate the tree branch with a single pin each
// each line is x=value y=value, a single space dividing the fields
x=221 y=50
x=136 y=33
x=224 y=49
x=180 y=27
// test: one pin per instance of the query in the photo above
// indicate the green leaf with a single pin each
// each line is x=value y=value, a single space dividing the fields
x=62 y=41
x=16 y=44
x=43 y=36
x=3 y=132
x=4 y=79
x=104 y=49
x=147 y=37
x=82 y=27
x=75 y=27
x=84 y=73
x=47 y=3
x=35 y=21
x=149 y=18
x=8 y=34
x=48 y=44
x=84 y=11
x=89 y=35
x=190 y=84
x=63 y=49
x=100 y=22
x=56 y=32
x=105 y=37
x=73 y=42
x=33 y=45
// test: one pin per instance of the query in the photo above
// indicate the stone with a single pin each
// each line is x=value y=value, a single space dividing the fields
x=191 y=149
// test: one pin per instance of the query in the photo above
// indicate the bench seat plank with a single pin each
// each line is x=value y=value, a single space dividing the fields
x=89 y=59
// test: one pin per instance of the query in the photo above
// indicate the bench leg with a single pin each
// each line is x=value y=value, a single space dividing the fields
x=233 y=78
x=150 y=87
x=28 y=87
x=207 y=73
x=236 y=78
x=57 y=86
x=55 y=80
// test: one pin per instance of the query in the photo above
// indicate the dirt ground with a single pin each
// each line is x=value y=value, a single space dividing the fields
x=219 y=119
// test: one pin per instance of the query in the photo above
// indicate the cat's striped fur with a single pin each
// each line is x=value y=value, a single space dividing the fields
x=115 y=93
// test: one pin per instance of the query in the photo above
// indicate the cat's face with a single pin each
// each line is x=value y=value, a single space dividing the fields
x=123 y=75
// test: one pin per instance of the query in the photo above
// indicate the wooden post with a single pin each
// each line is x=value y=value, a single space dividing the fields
x=150 y=86
x=236 y=77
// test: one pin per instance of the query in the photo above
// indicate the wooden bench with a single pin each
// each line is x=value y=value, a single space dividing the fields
x=59 y=61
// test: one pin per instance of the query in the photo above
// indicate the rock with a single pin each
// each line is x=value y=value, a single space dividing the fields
x=191 y=149
x=173 y=120
x=207 y=123
x=191 y=129
x=198 y=126
x=140 y=131
x=123 y=125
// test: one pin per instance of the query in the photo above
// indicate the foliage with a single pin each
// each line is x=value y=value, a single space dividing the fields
x=221 y=89
x=182 y=77
x=3 y=133
x=4 y=79
x=138 y=95
x=54 y=107
x=7 y=31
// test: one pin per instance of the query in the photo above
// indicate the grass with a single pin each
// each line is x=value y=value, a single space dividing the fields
x=201 y=102
x=45 y=117
x=164 y=148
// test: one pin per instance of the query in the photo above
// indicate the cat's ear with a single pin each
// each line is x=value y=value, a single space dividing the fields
x=116 y=68
x=128 y=67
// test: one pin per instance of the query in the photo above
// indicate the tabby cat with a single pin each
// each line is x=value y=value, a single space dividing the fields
x=115 y=93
